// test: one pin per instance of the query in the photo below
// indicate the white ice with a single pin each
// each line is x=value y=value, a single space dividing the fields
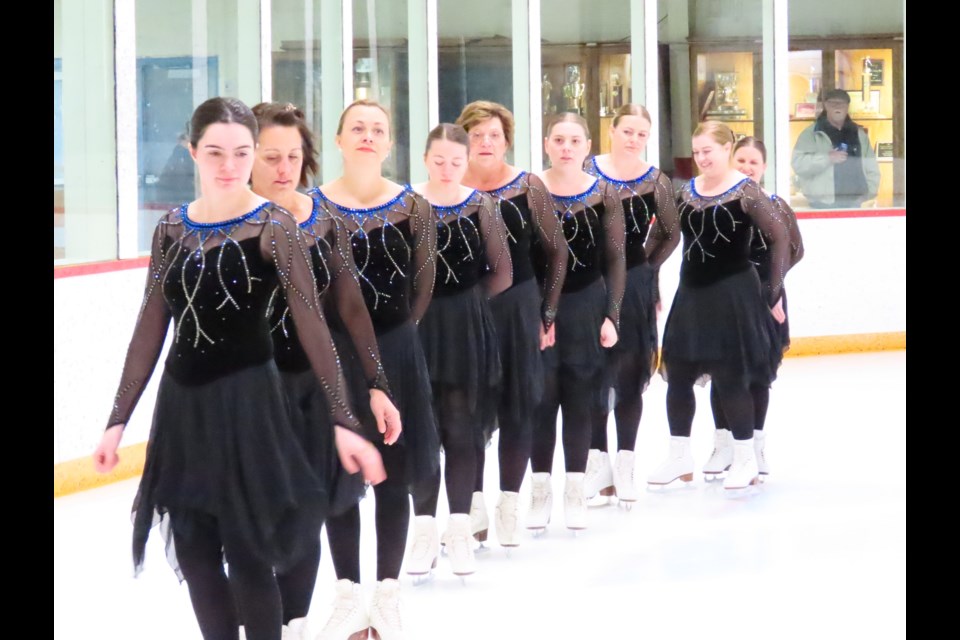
x=819 y=551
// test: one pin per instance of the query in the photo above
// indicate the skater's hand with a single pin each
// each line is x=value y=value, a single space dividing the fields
x=659 y=307
x=105 y=458
x=358 y=454
x=777 y=311
x=548 y=338
x=608 y=334
x=387 y=415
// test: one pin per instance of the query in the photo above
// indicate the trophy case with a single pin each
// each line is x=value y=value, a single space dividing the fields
x=592 y=80
x=726 y=81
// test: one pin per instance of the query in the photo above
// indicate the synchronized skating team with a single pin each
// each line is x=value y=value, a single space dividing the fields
x=346 y=335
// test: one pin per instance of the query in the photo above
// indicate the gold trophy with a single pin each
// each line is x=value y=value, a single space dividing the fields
x=573 y=90
x=725 y=98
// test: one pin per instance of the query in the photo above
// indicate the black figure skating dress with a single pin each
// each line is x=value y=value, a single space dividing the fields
x=222 y=443
x=526 y=209
x=334 y=273
x=720 y=321
x=760 y=256
x=394 y=252
x=457 y=332
x=652 y=233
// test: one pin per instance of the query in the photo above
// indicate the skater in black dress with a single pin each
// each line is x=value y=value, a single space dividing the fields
x=460 y=342
x=588 y=320
x=652 y=234
x=750 y=158
x=524 y=313
x=285 y=160
x=225 y=475
x=393 y=240
x=722 y=325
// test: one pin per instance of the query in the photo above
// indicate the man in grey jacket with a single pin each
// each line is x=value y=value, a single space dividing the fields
x=834 y=162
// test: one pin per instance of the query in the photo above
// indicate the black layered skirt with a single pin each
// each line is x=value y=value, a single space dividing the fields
x=228 y=449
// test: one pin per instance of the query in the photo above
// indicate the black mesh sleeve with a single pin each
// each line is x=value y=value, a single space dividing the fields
x=285 y=245
x=665 y=235
x=499 y=274
x=424 y=256
x=614 y=237
x=551 y=236
x=148 y=334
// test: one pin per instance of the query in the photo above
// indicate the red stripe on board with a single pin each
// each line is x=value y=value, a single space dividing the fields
x=100 y=267
x=852 y=213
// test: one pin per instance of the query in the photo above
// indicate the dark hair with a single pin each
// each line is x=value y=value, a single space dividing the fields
x=362 y=103
x=224 y=111
x=447 y=131
x=750 y=141
x=285 y=114
x=482 y=110
x=569 y=116
x=632 y=110
x=834 y=94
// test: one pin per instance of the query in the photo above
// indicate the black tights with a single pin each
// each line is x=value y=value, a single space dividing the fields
x=251 y=587
x=628 y=409
x=576 y=397
x=733 y=393
x=516 y=437
x=458 y=436
x=761 y=400
x=296 y=584
x=392 y=518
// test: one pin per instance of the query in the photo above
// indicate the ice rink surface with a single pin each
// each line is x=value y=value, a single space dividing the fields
x=819 y=551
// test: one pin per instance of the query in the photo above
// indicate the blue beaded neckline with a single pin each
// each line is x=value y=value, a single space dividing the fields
x=314 y=212
x=579 y=196
x=499 y=190
x=444 y=210
x=365 y=211
x=223 y=223
x=645 y=175
x=693 y=189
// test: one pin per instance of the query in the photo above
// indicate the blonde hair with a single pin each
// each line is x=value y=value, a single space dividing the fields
x=632 y=110
x=568 y=116
x=362 y=103
x=482 y=110
x=721 y=133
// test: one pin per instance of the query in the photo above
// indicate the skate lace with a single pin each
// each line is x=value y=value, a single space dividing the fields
x=343 y=608
x=539 y=496
x=421 y=546
x=388 y=608
x=625 y=471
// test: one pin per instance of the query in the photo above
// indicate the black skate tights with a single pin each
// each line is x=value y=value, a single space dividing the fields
x=296 y=584
x=460 y=443
x=392 y=518
x=761 y=400
x=734 y=395
x=577 y=399
x=626 y=412
x=251 y=587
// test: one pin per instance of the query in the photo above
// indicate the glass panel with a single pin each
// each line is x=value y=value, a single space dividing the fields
x=846 y=146
x=711 y=61
x=474 y=55
x=296 y=59
x=380 y=72
x=84 y=132
x=585 y=62
x=187 y=51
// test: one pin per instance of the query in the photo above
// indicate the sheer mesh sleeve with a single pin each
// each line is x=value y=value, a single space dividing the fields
x=424 y=256
x=614 y=237
x=352 y=309
x=148 y=334
x=283 y=243
x=499 y=275
x=551 y=236
x=796 y=242
x=665 y=235
x=772 y=224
